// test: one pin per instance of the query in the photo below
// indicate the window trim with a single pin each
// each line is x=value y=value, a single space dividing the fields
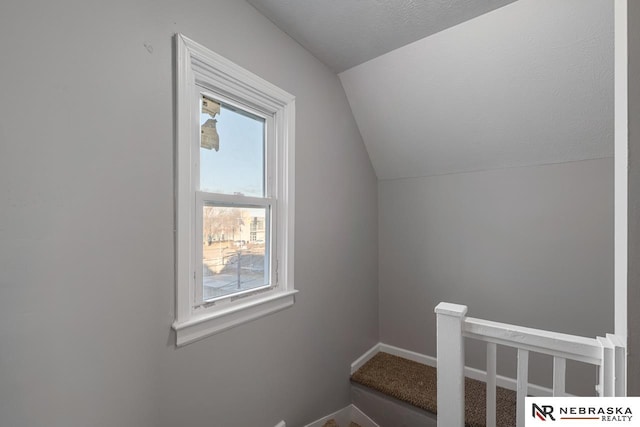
x=197 y=67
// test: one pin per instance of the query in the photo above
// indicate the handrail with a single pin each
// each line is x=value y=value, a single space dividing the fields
x=608 y=353
x=587 y=350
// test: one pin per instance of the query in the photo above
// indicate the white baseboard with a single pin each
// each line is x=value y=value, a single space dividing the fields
x=408 y=354
x=344 y=416
x=360 y=418
x=473 y=373
x=360 y=361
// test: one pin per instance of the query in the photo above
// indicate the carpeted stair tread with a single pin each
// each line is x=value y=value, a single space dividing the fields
x=415 y=383
x=332 y=423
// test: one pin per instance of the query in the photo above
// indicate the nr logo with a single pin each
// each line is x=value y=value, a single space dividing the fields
x=542 y=412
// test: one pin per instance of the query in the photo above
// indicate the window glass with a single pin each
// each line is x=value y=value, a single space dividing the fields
x=231 y=150
x=234 y=246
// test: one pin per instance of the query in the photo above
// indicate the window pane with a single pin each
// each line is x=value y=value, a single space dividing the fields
x=233 y=252
x=231 y=150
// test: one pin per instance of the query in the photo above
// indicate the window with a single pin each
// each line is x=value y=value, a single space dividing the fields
x=234 y=194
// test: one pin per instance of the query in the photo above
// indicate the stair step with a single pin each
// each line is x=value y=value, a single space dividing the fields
x=387 y=411
x=333 y=423
x=415 y=384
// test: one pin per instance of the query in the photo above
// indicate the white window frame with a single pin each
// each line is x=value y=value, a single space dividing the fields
x=201 y=71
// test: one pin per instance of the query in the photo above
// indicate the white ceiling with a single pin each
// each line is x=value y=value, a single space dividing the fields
x=530 y=83
x=345 y=33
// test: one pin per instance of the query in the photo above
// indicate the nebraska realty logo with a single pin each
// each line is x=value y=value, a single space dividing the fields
x=582 y=411
x=542 y=412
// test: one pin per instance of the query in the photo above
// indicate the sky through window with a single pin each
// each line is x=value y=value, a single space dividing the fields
x=238 y=165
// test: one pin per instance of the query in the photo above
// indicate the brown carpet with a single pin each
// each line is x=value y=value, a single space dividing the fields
x=415 y=384
x=332 y=423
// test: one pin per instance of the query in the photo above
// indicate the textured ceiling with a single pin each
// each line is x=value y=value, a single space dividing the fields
x=526 y=84
x=345 y=33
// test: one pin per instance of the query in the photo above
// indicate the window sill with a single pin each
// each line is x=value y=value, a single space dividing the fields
x=199 y=327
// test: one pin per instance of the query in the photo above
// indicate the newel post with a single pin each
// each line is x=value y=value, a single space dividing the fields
x=450 y=354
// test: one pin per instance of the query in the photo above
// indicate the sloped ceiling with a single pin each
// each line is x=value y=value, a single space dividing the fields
x=345 y=33
x=529 y=83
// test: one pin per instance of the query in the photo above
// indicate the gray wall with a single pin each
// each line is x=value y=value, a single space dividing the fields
x=633 y=294
x=516 y=220
x=531 y=246
x=86 y=226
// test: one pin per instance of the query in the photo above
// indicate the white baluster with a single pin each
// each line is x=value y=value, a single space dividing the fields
x=620 y=355
x=523 y=385
x=491 y=384
x=559 y=376
x=607 y=371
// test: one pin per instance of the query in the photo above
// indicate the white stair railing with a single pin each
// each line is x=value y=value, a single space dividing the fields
x=608 y=353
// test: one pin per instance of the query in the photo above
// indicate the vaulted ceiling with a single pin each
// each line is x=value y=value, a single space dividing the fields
x=435 y=92
x=345 y=33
